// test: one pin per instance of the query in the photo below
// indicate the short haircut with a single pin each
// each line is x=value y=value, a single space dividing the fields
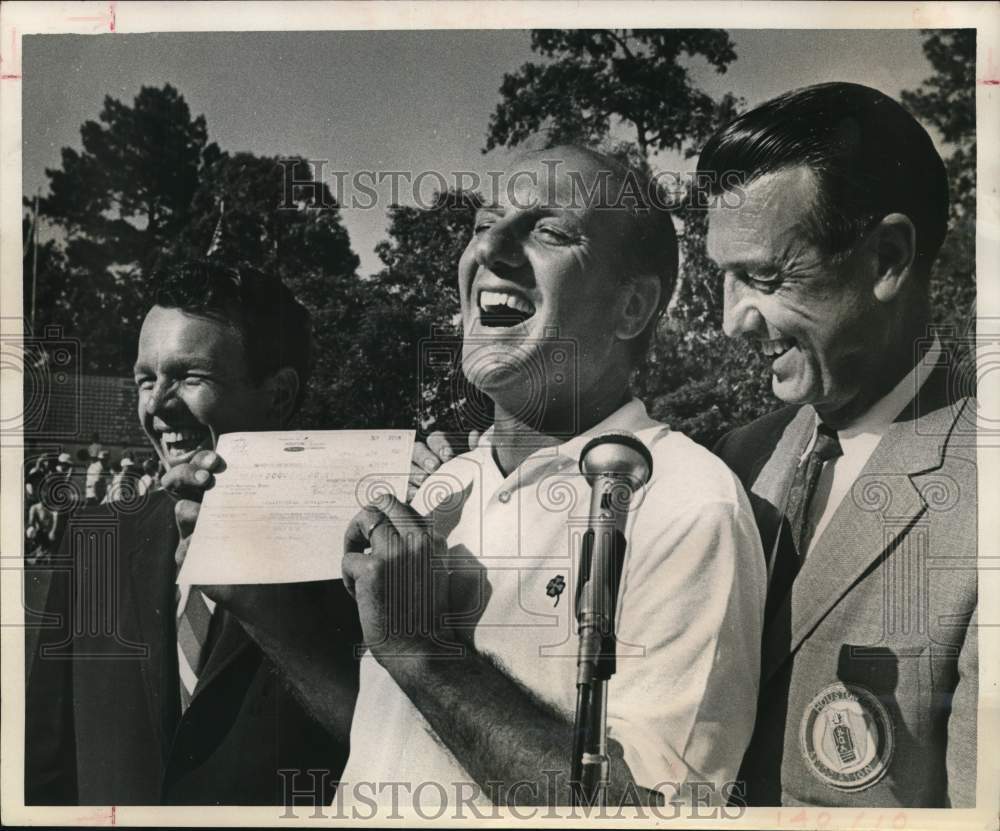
x=870 y=156
x=276 y=330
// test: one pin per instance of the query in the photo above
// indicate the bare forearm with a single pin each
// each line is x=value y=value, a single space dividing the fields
x=499 y=732
x=312 y=645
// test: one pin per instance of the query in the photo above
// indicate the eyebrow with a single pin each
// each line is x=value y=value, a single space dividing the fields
x=201 y=363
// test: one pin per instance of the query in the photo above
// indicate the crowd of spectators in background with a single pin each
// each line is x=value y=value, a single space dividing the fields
x=55 y=484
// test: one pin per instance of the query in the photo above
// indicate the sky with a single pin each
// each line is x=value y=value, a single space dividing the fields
x=383 y=101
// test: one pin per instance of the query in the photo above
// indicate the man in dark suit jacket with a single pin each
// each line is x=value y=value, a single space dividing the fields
x=110 y=719
x=832 y=208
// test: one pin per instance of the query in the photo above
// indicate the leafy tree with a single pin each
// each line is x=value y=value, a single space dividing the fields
x=149 y=189
x=130 y=190
x=417 y=301
x=947 y=100
x=596 y=77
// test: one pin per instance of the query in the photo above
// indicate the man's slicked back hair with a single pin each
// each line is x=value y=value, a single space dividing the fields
x=871 y=158
x=276 y=330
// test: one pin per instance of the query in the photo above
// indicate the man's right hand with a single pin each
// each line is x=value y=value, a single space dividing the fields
x=188 y=482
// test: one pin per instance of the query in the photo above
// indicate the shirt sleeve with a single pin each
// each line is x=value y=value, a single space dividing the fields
x=683 y=700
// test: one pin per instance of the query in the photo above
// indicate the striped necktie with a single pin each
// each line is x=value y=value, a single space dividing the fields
x=194 y=616
x=826 y=447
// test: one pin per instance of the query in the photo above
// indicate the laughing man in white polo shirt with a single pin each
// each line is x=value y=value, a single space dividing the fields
x=486 y=572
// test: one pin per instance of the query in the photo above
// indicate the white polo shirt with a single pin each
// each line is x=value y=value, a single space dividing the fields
x=683 y=700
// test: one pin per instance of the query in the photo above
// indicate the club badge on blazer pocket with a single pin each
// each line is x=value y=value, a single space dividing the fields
x=846 y=737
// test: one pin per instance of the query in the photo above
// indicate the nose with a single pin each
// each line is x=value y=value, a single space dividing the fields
x=155 y=400
x=740 y=315
x=499 y=246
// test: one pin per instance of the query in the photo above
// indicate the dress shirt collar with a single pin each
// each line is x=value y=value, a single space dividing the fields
x=873 y=423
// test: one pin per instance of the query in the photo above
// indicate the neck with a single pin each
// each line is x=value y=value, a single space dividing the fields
x=899 y=361
x=515 y=439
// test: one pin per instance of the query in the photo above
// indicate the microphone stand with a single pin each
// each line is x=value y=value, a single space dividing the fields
x=600 y=570
x=615 y=464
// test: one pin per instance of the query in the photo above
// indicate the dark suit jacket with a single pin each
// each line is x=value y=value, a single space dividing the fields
x=869 y=660
x=103 y=722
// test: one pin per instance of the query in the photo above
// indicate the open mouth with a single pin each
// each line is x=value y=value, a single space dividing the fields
x=503 y=309
x=178 y=445
x=777 y=347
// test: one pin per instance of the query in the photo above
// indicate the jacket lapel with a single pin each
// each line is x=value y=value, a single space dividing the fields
x=231 y=642
x=772 y=483
x=152 y=566
x=882 y=506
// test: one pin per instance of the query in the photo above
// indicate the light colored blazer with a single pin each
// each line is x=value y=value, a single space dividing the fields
x=870 y=661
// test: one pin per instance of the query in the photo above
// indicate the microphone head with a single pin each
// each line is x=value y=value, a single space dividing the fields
x=619 y=454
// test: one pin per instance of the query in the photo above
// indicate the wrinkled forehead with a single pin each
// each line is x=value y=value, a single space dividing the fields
x=771 y=213
x=567 y=181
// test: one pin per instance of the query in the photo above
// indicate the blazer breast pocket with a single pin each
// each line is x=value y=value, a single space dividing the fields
x=862 y=725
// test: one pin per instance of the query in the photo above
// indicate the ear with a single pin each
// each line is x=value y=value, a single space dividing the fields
x=283 y=387
x=641 y=297
x=895 y=246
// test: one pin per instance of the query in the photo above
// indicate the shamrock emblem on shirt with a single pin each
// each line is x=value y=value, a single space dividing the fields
x=555 y=588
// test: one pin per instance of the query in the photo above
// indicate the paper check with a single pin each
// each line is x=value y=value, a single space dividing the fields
x=278 y=512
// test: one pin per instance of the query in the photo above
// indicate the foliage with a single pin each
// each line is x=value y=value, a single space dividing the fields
x=149 y=189
x=594 y=77
x=947 y=101
x=419 y=292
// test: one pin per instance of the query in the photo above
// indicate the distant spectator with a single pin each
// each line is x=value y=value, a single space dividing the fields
x=150 y=479
x=33 y=479
x=124 y=483
x=98 y=476
x=44 y=527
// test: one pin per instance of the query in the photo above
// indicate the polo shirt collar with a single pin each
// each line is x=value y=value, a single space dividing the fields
x=631 y=416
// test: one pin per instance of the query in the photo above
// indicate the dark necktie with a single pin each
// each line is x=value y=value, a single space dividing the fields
x=803 y=489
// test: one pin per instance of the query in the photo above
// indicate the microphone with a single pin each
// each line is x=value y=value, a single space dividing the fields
x=616 y=465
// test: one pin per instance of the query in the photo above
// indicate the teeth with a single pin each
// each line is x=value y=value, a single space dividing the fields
x=500 y=298
x=776 y=346
x=182 y=435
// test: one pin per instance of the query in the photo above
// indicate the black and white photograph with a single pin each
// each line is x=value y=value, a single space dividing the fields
x=478 y=413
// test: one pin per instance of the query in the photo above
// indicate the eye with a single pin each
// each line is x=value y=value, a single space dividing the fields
x=144 y=382
x=192 y=379
x=761 y=280
x=552 y=234
x=484 y=221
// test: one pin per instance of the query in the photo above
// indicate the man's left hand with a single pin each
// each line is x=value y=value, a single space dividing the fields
x=401 y=586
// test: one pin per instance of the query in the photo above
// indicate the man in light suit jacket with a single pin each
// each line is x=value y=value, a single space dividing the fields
x=831 y=205
x=132 y=700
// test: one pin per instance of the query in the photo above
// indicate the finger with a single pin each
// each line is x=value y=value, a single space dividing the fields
x=187 y=482
x=425 y=458
x=402 y=519
x=208 y=460
x=350 y=568
x=358 y=535
x=186 y=513
x=440 y=446
x=417 y=477
x=474 y=436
